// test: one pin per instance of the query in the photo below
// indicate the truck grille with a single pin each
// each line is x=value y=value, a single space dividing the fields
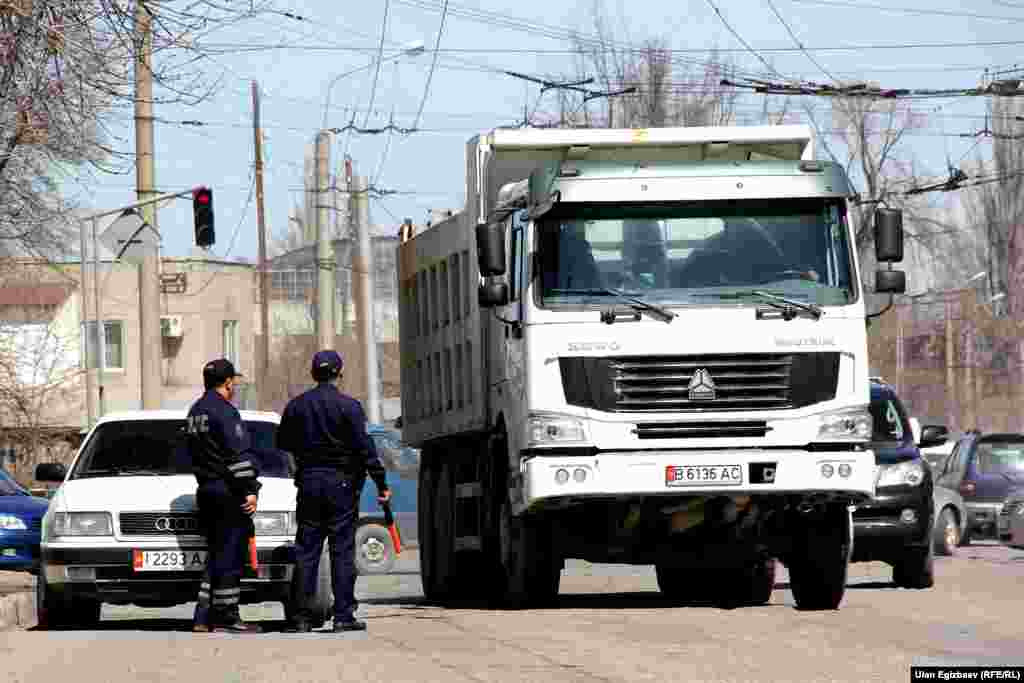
x=159 y=524
x=700 y=430
x=704 y=383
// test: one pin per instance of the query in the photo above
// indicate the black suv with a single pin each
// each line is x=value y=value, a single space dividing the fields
x=896 y=525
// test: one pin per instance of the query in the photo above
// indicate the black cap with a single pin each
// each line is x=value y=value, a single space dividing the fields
x=216 y=372
x=327 y=361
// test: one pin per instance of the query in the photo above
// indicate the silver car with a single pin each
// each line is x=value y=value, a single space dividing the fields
x=950 y=511
x=1011 y=520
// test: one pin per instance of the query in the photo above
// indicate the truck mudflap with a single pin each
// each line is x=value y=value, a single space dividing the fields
x=848 y=475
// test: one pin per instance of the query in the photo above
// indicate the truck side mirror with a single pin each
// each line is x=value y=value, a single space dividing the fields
x=492 y=294
x=890 y=282
x=490 y=249
x=888 y=235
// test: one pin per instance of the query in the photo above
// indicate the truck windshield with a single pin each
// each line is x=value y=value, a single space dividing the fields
x=158 y=447
x=696 y=253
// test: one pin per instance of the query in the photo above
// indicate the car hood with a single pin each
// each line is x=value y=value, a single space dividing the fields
x=156 y=494
x=23 y=506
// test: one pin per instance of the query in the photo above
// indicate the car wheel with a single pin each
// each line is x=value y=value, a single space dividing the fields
x=947 y=533
x=62 y=609
x=375 y=553
x=965 y=537
x=915 y=569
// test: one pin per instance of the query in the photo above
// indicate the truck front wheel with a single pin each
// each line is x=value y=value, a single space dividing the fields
x=532 y=570
x=820 y=559
x=749 y=586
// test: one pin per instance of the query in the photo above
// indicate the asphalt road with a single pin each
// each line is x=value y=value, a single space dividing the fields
x=610 y=625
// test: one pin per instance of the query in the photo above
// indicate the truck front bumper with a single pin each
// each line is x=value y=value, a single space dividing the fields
x=846 y=475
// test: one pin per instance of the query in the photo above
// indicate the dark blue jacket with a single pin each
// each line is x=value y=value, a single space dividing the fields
x=323 y=427
x=219 y=445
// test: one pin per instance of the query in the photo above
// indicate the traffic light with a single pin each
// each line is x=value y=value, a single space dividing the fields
x=202 y=210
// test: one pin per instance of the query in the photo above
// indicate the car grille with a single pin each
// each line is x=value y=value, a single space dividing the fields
x=35 y=525
x=755 y=381
x=1010 y=508
x=159 y=524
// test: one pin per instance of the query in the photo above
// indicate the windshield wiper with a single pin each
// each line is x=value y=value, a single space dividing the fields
x=656 y=312
x=786 y=304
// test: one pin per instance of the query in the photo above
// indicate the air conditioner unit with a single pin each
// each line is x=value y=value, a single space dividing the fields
x=170 y=326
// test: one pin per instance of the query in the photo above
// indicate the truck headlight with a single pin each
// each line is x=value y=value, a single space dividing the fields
x=272 y=523
x=900 y=474
x=12 y=523
x=555 y=429
x=846 y=425
x=82 y=524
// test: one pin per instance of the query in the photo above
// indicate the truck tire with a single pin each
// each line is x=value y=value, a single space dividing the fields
x=321 y=605
x=820 y=560
x=947 y=533
x=683 y=585
x=375 y=553
x=532 y=570
x=443 y=561
x=426 y=492
x=62 y=609
x=915 y=569
x=749 y=586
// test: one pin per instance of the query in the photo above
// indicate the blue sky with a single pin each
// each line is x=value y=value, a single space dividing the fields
x=467 y=98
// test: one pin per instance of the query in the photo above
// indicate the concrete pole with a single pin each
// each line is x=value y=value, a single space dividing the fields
x=362 y=274
x=90 y=399
x=101 y=329
x=150 y=346
x=325 y=282
x=263 y=353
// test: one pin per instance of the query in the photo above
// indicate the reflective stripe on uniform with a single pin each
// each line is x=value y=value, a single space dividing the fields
x=242 y=464
x=227 y=591
x=244 y=474
x=226 y=601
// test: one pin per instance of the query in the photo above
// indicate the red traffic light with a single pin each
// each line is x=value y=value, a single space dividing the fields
x=201 y=196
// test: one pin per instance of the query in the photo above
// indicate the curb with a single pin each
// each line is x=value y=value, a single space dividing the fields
x=18 y=611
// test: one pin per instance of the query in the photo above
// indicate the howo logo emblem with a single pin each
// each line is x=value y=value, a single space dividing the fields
x=701 y=387
x=176 y=524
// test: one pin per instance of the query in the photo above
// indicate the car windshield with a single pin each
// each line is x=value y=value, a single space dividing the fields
x=9 y=487
x=695 y=254
x=888 y=423
x=1000 y=456
x=144 y=447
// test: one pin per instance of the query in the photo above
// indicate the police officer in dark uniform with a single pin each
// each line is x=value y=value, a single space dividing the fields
x=227 y=476
x=325 y=431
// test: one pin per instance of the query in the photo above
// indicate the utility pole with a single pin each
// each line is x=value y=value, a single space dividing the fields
x=325 y=281
x=263 y=353
x=90 y=400
x=149 y=286
x=362 y=271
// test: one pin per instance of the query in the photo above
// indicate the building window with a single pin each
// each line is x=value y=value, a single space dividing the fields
x=229 y=333
x=113 y=342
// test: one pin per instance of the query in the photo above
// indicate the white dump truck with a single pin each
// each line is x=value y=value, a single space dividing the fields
x=646 y=347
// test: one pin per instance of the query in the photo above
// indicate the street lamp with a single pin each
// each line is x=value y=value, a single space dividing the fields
x=413 y=49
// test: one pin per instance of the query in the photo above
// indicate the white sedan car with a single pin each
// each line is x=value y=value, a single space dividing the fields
x=123 y=529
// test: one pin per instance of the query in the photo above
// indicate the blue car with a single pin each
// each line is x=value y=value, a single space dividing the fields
x=375 y=552
x=21 y=525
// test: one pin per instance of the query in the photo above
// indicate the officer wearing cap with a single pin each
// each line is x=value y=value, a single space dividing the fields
x=227 y=476
x=325 y=431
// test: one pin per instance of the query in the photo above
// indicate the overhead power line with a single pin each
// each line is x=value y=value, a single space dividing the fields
x=910 y=10
x=745 y=44
x=1002 y=88
x=800 y=45
x=433 y=65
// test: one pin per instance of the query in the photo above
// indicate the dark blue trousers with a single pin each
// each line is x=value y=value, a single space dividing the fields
x=227 y=530
x=326 y=510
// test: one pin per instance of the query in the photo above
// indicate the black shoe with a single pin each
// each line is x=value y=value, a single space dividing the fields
x=237 y=627
x=298 y=627
x=354 y=625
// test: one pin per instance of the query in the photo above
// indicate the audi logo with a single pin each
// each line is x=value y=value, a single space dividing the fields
x=176 y=524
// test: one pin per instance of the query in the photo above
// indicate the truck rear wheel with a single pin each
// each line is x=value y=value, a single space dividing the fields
x=820 y=560
x=426 y=492
x=443 y=560
x=683 y=585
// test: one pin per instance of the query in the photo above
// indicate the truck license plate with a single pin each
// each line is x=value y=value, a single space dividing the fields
x=169 y=560
x=703 y=475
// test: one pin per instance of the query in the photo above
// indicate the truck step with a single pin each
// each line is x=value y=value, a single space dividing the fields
x=470 y=490
x=467 y=543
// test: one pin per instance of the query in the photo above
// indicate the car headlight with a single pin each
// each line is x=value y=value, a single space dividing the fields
x=900 y=474
x=82 y=524
x=272 y=523
x=12 y=523
x=846 y=425
x=555 y=429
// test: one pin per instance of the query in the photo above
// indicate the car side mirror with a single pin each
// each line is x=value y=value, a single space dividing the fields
x=933 y=435
x=493 y=295
x=890 y=282
x=50 y=471
x=490 y=249
x=888 y=235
